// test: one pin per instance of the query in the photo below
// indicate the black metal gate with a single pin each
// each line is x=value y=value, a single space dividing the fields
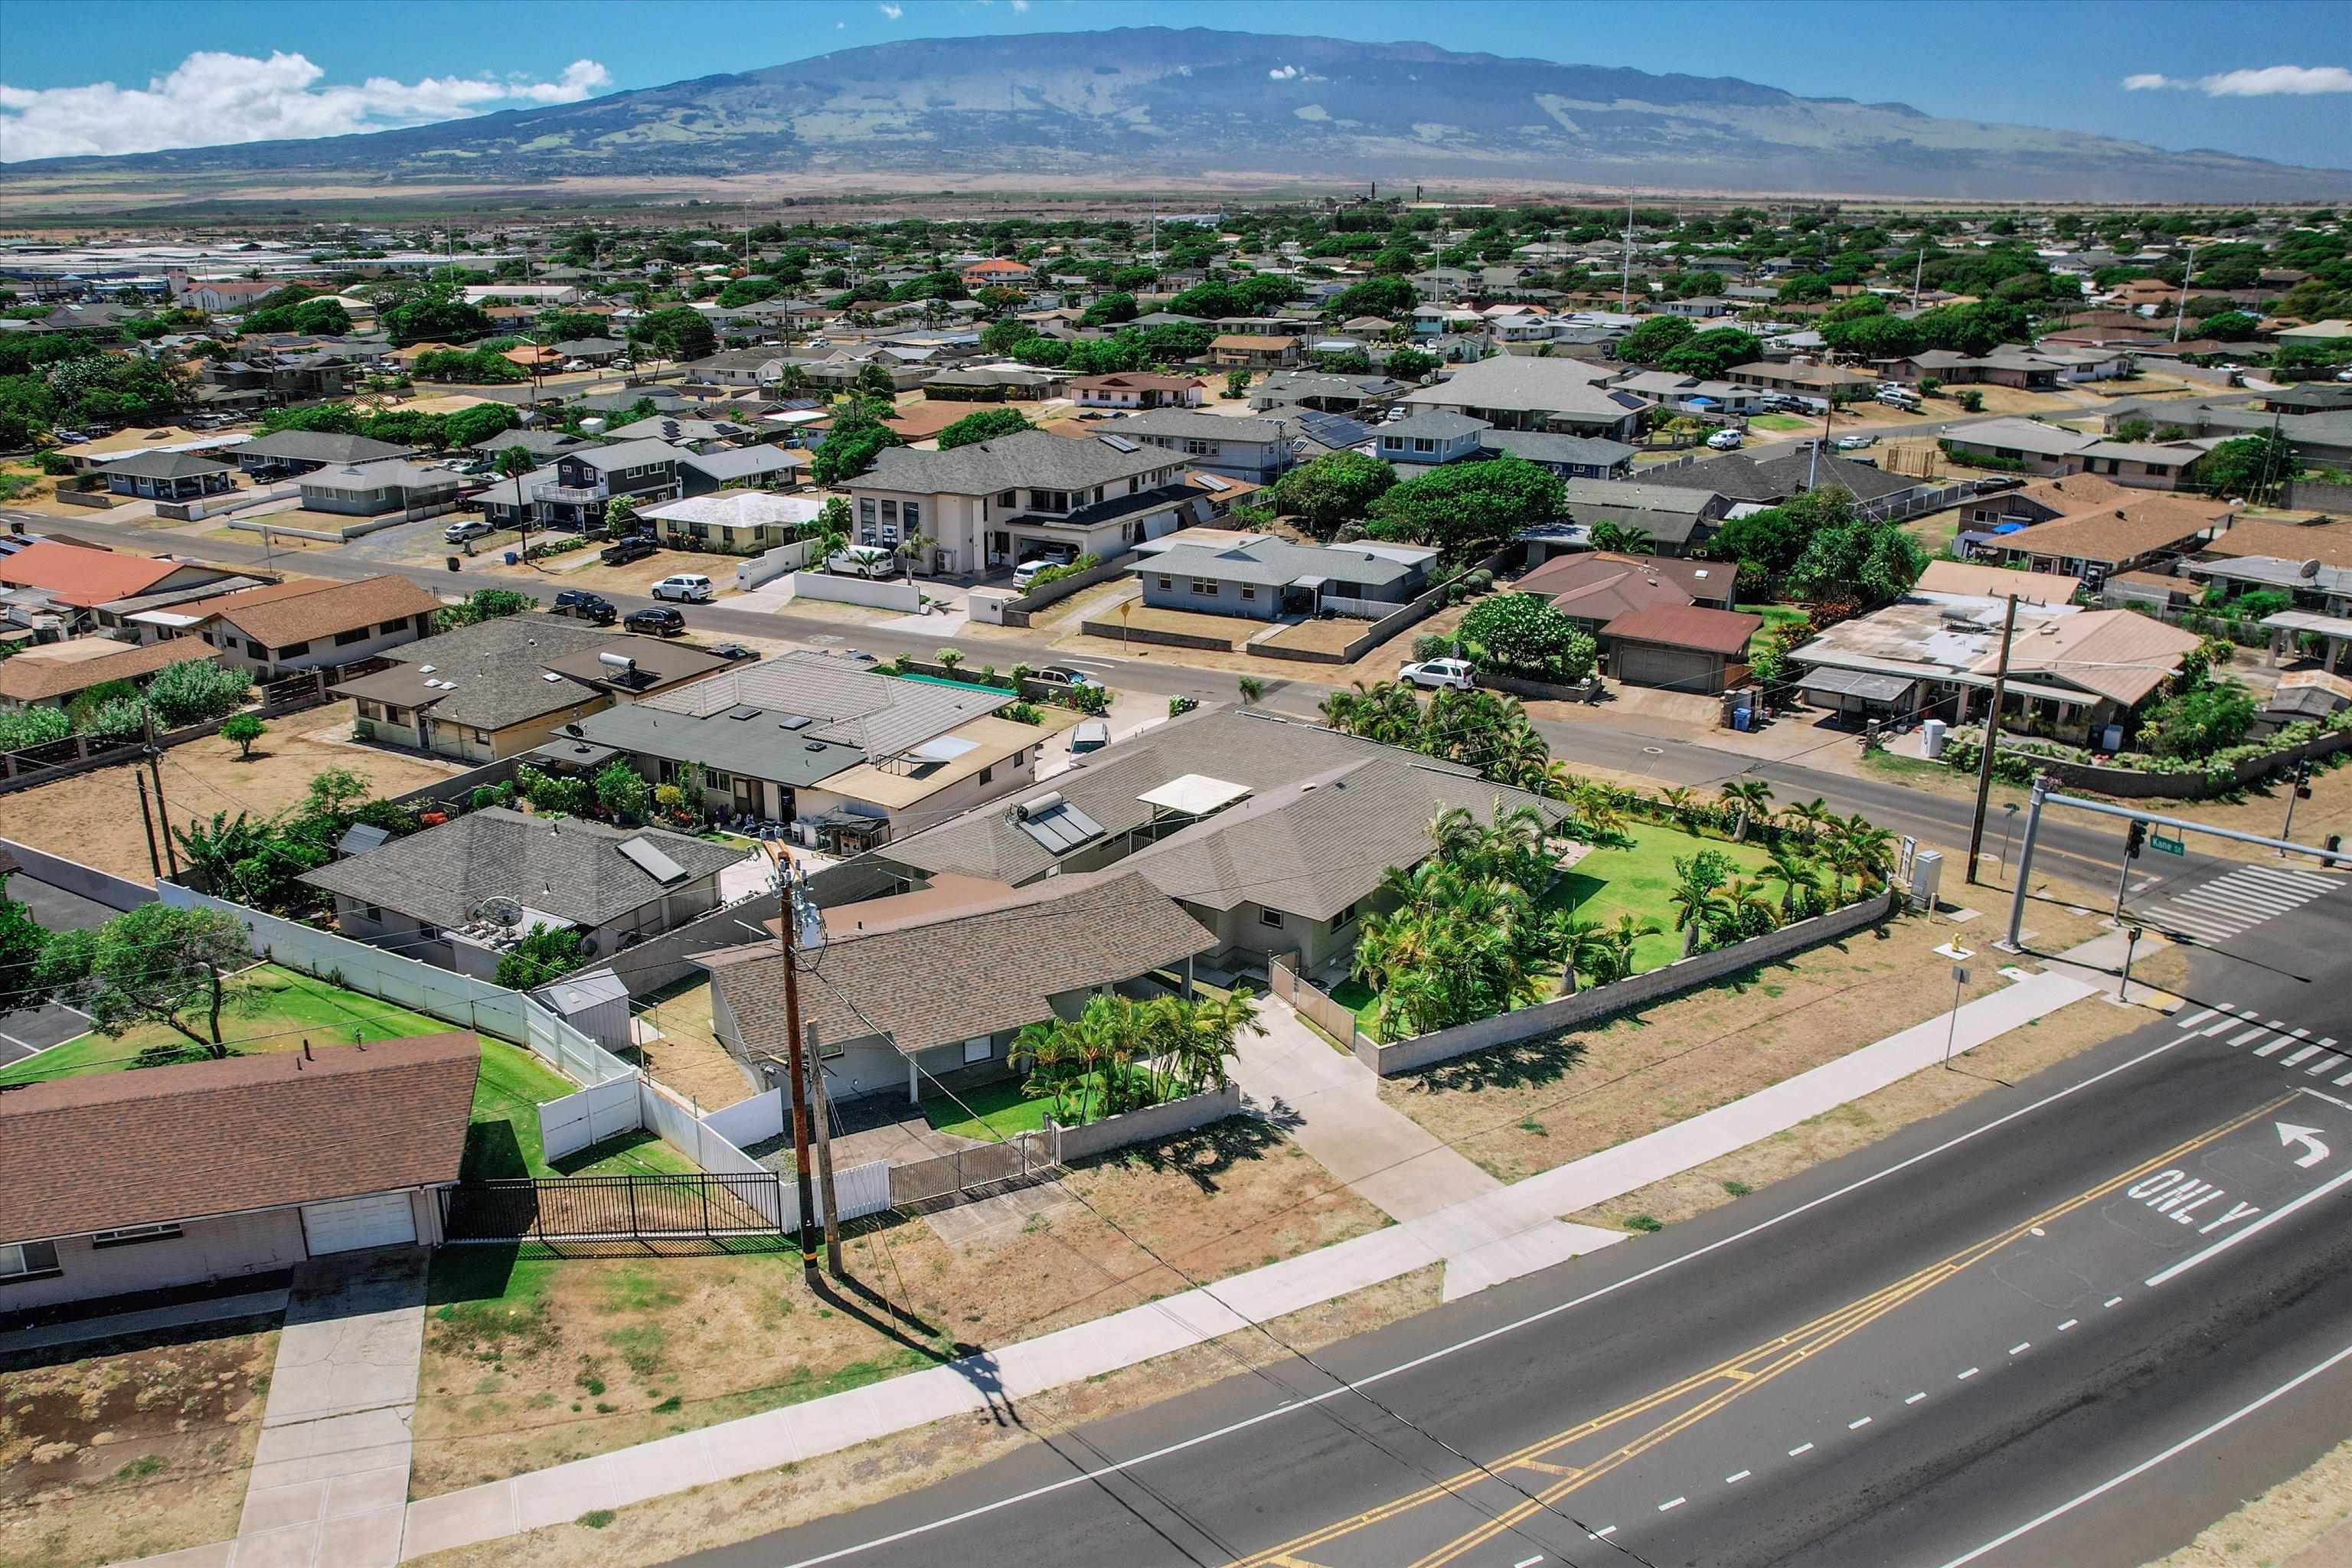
x=699 y=1206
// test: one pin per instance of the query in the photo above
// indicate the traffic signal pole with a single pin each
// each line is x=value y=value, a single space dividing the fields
x=2133 y=840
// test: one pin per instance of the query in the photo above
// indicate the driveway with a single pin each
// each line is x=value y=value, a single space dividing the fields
x=26 y=1030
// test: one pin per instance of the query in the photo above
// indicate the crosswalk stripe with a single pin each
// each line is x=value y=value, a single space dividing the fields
x=2316 y=884
x=2197 y=925
x=2229 y=1023
x=2256 y=1034
x=2244 y=906
x=2178 y=910
x=2328 y=1062
x=2303 y=1055
x=2345 y=1080
x=2194 y=1019
x=2276 y=884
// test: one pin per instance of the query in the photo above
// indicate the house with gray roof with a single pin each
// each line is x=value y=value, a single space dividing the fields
x=1257 y=449
x=1030 y=494
x=741 y=467
x=169 y=476
x=1520 y=392
x=460 y=894
x=1266 y=579
x=1770 y=480
x=371 y=490
x=285 y=452
x=1673 y=518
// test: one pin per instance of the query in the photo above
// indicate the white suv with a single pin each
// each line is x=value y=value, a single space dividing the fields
x=687 y=587
x=1456 y=673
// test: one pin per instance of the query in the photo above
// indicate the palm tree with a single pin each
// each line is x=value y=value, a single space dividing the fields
x=1677 y=800
x=1696 y=907
x=1454 y=833
x=1581 y=944
x=1250 y=689
x=1519 y=757
x=1810 y=818
x=1340 y=709
x=1740 y=896
x=1863 y=849
x=1623 y=539
x=1621 y=939
x=1788 y=868
x=1752 y=799
x=911 y=549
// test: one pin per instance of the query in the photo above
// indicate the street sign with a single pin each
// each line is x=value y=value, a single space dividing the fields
x=2164 y=846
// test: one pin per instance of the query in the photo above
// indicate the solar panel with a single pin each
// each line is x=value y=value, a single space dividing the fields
x=640 y=853
x=1060 y=828
x=361 y=837
x=1119 y=443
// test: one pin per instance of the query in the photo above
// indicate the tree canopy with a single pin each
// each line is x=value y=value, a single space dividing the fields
x=1467 y=509
x=1336 y=489
x=982 y=426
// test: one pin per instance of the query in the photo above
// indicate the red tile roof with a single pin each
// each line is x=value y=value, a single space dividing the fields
x=82 y=576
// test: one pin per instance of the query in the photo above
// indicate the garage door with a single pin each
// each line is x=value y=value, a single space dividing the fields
x=354 y=1223
x=1670 y=667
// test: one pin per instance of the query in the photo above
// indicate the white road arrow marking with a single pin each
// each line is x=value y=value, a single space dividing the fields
x=2307 y=1136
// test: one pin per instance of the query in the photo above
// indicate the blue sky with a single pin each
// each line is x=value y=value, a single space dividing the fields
x=400 y=61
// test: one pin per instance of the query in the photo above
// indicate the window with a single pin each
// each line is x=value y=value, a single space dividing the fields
x=1167 y=584
x=392 y=628
x=978 y=1048
x=1423 y=444
x=1343 y=916
x=290 y=649
x=866 y=511
x=345 y=639
x=1199 y=449
x=1270 y=918
x=374 y=913
x=132 y=1235
x=988 y=774
x=914 y=517
x=27 y=1259
x=1204 y=588
x=1249 y=592
x=1010 y=497
x=890 y=512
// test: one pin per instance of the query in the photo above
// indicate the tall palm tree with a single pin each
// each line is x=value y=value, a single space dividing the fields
x=1752 y=800
x=1583 y=946
x=1677 y=799
x=1792 y=872
x=1810 y=817
x=1620 y=938
x=1519 y=757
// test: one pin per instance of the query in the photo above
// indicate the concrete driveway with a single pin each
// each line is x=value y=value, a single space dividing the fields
x=24 y=1031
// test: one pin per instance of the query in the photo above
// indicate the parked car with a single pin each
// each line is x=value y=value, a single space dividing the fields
x=465 y=529
x=1026 y=573
x=1090 y=736
x=862 y=561
x=637 y=547
x=1855 y=443
x=1061 y=675
x=582 y=605
x=624 y=364
x=732 y=650
x=659 y=621
x=575 y=364
x=1430 y=673
x=1726 y=440
x=685 y=588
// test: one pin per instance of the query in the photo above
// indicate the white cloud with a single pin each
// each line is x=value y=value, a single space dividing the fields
x=893 y=12
x=2268 y=81
x=1020 y=4
x=1285 y=73
x=213 y=98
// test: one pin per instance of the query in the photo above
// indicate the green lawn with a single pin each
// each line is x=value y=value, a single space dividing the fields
x=276 y=1009
x=1353 y=994
x=1775 y=617
x=1636 y=881
x=1780 y=422
x=989 y=1112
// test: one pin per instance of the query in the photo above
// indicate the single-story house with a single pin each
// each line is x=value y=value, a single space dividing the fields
x=1682 y=647
x=287 y=452
x=1675 y=518
x=1819 y=382
x=1596 y=588
x=80 y=580
x=499 y=687
x=1270 y=578
x=307 y=622
x=1257 y=449
x=2038 y=448
x=1137 y=389
x=371 y=490
x=169 y=476
x=915 y=990
x=1517 y=391
x=1771 y=480
x=459 y=894
x=1974 y=579
x=1570 y=457
x=2097 y=544
x=119 y=1184
x=741 y=468
x=1323 y=392
x=735 y=523
x=51 y=675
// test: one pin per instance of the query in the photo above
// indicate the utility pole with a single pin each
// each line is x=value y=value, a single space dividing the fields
x=1625 y=266
x=2187 y=268
x=2013 y=941
x=1991 y=740
x=824 y=1118
x=2302 y=791
x=796 y=1065
x=154 y=860
x=1918 y=268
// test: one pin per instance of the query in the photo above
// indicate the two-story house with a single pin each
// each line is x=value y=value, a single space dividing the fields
x=1024 y=496
x=587 y=479
x=1254 y=449
x=1432 y=435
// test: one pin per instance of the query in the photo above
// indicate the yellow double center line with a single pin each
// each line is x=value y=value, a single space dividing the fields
x=1715 y=1389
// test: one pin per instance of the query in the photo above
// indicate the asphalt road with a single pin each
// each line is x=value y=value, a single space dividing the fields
x=2074 y=1321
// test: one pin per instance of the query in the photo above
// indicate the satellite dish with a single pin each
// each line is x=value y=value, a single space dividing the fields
x=499 y=910
x=2308 y=570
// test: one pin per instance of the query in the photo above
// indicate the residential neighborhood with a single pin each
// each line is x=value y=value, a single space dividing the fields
x=877 y=862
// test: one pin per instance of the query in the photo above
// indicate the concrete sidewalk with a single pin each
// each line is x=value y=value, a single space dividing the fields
x=1330 y=1106
x=1498 y=1233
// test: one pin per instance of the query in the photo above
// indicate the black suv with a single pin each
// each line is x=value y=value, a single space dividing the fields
x=637 y=547
x=659 y=621
x=586 y=607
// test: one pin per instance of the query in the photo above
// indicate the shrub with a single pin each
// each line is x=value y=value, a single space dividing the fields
x=623 y=791
x=1094 y=701
x=541 y=956
x=33 y=727
x=54 y=465
x=1180 y=706
x=194 y=691
x=121 y=719
x=1021 y=713
x=244 y=729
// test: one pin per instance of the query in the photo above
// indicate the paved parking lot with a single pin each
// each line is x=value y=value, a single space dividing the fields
x=25 y=1030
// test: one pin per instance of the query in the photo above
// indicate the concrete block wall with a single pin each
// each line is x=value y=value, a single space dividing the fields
x=1152 y=1122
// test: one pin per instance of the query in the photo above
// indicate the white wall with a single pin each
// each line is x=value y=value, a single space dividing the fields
x=896 y=593
x=770 y=565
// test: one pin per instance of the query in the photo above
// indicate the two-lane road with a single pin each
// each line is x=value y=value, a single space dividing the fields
x=2074 y=1321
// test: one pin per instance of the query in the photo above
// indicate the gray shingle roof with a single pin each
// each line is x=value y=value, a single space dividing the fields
x=571 y=868
x=1743 y=477
x=1026 y=459
x=1272 y=562
x=879 y=714
x=741 y=462
x=1192 y=425
x=625 y=455
x=1545 y=446
x=760 y=748
x=1438 y=424
x=166 y=466
x=496 y=666
x=1523 y=382
x=320 y=447
x=973 y=973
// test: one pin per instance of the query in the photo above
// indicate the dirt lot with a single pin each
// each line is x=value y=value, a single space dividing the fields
x=1527 y=1107
x=93 y=817
x=127 y=1447
x=688 y=1056
x=531 y=1362
x=2312 y=1512
x=660 y=1531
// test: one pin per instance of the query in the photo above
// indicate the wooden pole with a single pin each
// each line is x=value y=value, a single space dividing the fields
x=1991 y=738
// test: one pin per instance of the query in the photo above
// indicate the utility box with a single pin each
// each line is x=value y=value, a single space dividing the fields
x=1927 y=880
x=1931 y=738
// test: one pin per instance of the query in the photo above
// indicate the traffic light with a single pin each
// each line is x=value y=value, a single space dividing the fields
x=2303 y=780
x=2137 y=841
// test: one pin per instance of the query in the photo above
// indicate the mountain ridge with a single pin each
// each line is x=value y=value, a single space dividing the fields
x=1141 y=100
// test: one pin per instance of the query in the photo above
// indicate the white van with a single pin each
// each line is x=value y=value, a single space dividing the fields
x=862 y=561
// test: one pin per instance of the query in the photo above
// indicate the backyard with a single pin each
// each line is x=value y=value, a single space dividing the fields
x=1638 y=879
x=275 y=1009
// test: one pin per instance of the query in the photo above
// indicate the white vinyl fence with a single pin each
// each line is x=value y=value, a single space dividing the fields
x=770 y=565
x=863 y=1189
x=875 y=593
x=568 y=1125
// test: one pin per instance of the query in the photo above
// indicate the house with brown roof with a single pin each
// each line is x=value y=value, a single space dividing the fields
x=82 y=577
x=2095 y=545
x=310 y=623
x=1595 y=588
x=113 y=1183
x=51 y=675
x=1137 y=389
x=1253 y=351
x=997 y=272
x=942 y=990
x=1682 y=647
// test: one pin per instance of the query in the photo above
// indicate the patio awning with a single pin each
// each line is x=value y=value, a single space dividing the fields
x=1857 y=683
x=1194 y=794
